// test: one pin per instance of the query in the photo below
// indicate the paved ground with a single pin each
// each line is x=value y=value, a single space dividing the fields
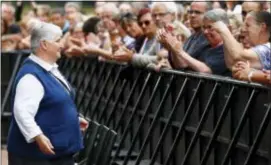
x=4 y=157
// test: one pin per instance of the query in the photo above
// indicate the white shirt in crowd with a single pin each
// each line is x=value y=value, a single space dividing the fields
x=29 y=92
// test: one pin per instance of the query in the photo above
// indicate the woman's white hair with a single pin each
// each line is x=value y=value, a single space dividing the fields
x=170 y=6
x=41 y=31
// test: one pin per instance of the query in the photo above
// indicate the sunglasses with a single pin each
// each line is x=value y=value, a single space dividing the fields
x=147 y=23
x=194 y=11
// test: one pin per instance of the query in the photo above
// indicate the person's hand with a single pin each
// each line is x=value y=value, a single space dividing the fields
x=83 y=124
x=75 y=51
x=90 y=48
x=240 y=65
x=241 y=70
x=161 y=37
x=123 y=55
x=162 y=64
x=219 y=26
x=169 y=41
x=44 y=144
x=78 y=42
x=12 y=37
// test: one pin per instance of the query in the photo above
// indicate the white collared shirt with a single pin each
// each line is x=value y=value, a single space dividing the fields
x=29 y=92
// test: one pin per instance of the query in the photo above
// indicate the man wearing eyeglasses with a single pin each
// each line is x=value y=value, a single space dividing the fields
x=165 y=14
x=197 y=42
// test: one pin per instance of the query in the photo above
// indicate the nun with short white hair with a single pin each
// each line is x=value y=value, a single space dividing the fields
x=45 y=128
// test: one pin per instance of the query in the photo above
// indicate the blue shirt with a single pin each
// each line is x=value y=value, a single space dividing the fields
x=264 y=53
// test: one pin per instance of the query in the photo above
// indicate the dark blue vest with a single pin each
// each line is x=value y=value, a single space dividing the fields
x=57 y=117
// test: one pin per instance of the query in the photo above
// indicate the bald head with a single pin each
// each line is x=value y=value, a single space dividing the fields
x=249 y=6
x=196 y=12
x=206 y=5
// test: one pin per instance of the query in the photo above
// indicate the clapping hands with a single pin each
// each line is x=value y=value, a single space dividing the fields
x=169 y=41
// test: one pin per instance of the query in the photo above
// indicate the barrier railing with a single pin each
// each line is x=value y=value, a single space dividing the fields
x=173 y=117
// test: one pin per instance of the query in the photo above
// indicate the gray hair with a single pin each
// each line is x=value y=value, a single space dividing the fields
x=112 y=7
x=180 y=8
x=75 y=5
x=170 y=6
x=217 y=15
x=41 y=31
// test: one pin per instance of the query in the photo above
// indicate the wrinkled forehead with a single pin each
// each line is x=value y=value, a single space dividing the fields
x=250 y=6
x=199 y=6
x=159 y=8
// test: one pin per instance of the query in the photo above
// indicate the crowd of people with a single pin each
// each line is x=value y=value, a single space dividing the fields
x=229 y=38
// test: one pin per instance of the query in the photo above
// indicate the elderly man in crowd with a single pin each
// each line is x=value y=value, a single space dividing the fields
x=73 y=13
x=45 y=128
x=197 y=42
x=165 y=14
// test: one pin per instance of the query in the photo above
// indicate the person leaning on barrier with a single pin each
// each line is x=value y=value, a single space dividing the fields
x=45 y=127
x=258 y=27
x=93 y=45
x=196 y=43
x=211 y=58
x=149 y=47
x=130 y=25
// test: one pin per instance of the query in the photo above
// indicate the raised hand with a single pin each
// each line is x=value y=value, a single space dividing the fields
x=219 y=26
x=75 y=50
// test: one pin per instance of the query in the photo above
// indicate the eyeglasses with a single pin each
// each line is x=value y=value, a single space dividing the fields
x=154 y=15
x=244 y=13
x=194 y=11
x=147 y=23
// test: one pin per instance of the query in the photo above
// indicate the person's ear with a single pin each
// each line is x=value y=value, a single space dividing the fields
x=43 y=45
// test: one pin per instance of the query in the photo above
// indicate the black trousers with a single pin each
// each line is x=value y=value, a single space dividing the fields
x=15 y=160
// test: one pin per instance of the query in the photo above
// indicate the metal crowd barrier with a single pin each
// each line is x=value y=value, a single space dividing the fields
x=173 y=117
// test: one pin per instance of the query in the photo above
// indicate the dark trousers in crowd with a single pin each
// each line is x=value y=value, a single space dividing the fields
x=15 y=160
